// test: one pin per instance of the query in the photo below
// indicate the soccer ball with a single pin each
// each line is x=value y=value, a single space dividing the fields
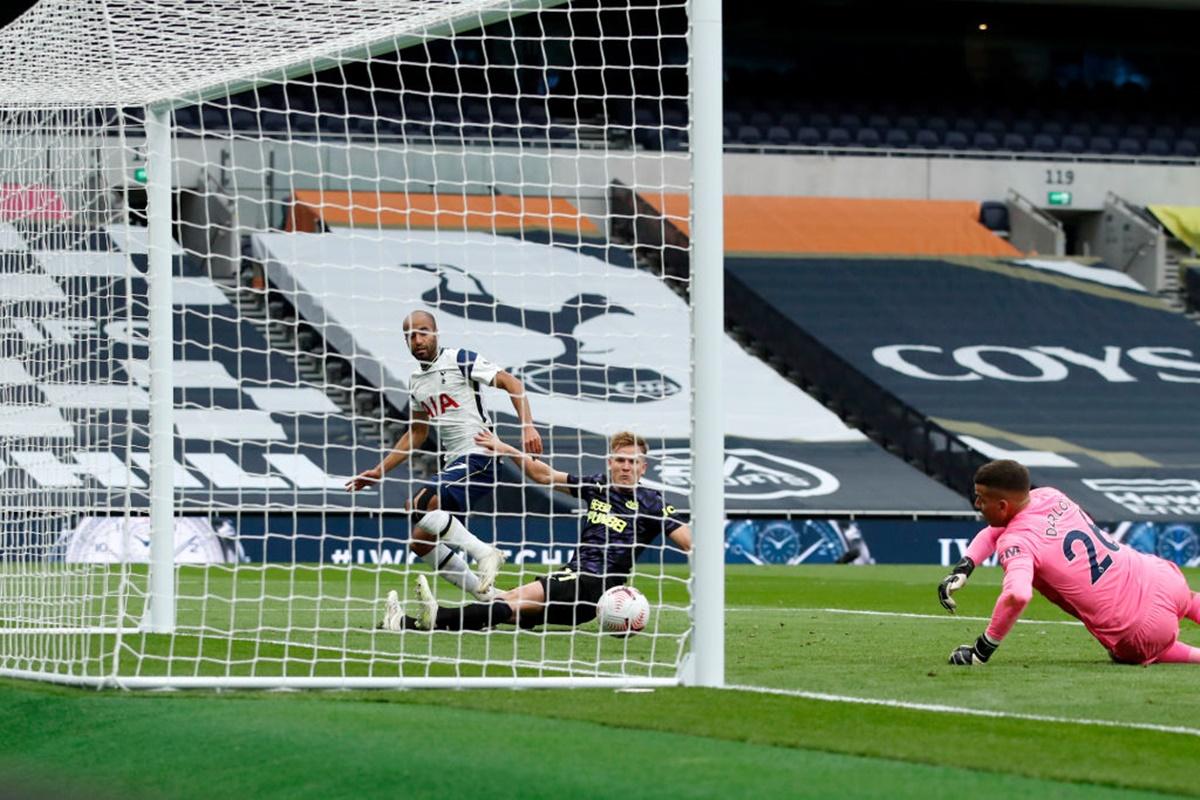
x=622 y=610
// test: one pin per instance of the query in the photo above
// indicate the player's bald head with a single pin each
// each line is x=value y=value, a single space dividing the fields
x=421 y=320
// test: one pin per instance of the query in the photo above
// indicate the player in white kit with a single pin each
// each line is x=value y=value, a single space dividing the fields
x=444 y=392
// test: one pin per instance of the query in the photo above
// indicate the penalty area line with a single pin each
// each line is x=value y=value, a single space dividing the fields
x=970 y=712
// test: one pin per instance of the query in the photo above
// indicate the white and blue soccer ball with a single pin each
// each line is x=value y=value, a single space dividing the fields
x=622 y=610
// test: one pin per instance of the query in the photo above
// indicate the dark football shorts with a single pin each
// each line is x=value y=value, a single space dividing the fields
x=570 y=597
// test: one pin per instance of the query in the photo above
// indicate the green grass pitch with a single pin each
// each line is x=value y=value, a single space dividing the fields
x=789 y=629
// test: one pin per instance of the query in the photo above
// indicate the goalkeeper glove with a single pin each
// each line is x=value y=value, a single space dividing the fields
x=966 y=655
x=953 y=582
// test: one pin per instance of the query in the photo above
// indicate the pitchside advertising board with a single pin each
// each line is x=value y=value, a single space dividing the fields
x=1089 y=381
x=382 y=540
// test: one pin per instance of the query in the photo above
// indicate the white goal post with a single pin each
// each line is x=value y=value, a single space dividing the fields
x=214 y=217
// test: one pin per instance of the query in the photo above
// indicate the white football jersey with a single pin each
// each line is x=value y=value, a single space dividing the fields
x=447 y=391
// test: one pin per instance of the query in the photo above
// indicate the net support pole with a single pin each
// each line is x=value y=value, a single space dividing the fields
x=162 y=426
x=708 y=335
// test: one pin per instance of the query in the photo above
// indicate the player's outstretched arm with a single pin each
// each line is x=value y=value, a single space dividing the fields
x=531 y=440
x=411 y=439
x=537 y=470
x=682 y=537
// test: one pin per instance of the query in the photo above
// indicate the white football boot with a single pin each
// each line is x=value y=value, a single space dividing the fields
x=427 y=606
x=487 y=568
x=393 y=614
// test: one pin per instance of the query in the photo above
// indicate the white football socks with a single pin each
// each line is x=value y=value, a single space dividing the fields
x=451 y=566
x=453 y=532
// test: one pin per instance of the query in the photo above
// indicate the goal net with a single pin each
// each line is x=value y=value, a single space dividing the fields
x=215 y=218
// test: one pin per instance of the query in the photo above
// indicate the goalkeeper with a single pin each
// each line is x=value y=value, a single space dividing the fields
x=622 y=519
x=1130 y=601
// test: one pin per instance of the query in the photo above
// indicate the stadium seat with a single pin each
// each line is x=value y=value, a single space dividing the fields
x=879 y=122
x=926 y=140
x=1138 y=132
x=1185 y=148
x=851 y=122
x=1071 y=143
x=938 y=125
x=808 y=137
x=956 y=140
x=1157 y=147
x=1052 y=128
x=995 y=127
x=1014 y=142
x=1081 y=129
x=761 y=120
x=1108 y=130
x=907 y=123
x=749 y=134
x=1100 y=144
x=868 y=137
x=779 y=135
x=965 y=126
x=1127 y=146
x=1044 y=143
x=1025 y=127
x=1165 y=132
x=984 y=141
x=820 y=121
x=897 y=139
x=790 y=120
x=733 y=120
x=837 y=137
x=993 y=215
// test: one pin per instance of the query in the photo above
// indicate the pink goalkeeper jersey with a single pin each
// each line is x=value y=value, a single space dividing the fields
x=1054 y=547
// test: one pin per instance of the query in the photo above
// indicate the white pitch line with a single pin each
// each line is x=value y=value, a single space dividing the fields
x=869 y=613
x=971 y=712
x=941 y=617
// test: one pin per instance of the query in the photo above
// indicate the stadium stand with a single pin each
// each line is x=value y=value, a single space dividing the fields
x=805 y=459
x=254 y=433
x=1094 y=389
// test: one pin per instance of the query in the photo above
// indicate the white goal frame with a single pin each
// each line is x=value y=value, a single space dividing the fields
x=705 y=664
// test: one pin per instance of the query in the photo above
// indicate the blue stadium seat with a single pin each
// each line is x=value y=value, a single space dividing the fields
x=808 y=137
x=879 y=122
x=937 y=124
x=761 y=119
x=995 y=127
x=1014 y=142
x=1127 y=146
x=733 y=120
x=956 y=140
x=779 y=135
x=1136 y=131
x=277 y=121
x=1052 y=128
x=897 y=138
x=820 y=121
x=837 y=137
x=1191 y=133
x=1157 y=147
x=867 y=137
x=791 y=120
x=1108 y=130
x=1071 y=143
x=1166 y=132
x=851 y=122
x=1081 y=129
x=993 y=215
x=1185 y=148
x=749 y=134
x=927 y=140
x=302 y=122
x=966 y=125
x=1100 y=144
x=1044 y=143
x=1025 y=127
x=984 y=141
x=907 y=123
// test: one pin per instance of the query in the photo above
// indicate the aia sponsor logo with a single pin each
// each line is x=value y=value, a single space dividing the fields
x=438 y=405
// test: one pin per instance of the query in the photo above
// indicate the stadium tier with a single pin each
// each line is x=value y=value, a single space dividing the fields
x=589 y=339
x=251 y=433
x=1071 y=369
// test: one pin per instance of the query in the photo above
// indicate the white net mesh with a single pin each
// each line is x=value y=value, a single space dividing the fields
x=335 y=167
